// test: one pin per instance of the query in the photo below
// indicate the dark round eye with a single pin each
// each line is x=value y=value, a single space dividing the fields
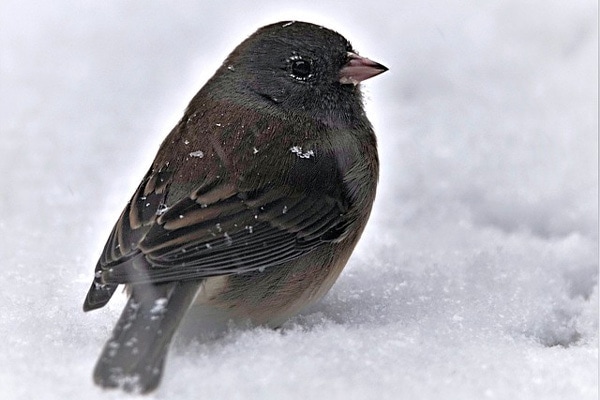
x=301 y=69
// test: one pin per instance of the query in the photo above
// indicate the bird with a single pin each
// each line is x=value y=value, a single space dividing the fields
x=253 y=204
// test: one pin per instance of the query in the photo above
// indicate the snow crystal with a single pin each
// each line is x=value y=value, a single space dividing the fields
x=131 y=342
x=159 y=306
x=113 y=347
x=298 y=151
x=197 y=153
x=162 y=208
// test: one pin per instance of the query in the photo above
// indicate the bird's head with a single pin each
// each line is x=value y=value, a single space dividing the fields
x=298 y=67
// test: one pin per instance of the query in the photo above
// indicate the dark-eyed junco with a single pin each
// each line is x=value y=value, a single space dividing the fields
x=253 y=204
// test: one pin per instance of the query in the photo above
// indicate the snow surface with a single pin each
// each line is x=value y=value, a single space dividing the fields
x=477 y=276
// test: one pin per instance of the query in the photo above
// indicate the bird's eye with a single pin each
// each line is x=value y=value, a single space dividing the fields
x=301 y=69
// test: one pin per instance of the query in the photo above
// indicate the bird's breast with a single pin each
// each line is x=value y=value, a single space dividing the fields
x=271 y=296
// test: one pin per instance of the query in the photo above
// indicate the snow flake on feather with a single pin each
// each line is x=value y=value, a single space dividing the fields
x=302 y=154
x=198 y=153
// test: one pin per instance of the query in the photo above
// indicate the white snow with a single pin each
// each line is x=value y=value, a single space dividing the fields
x=302 y=154
x=159 y=306
x=477 y=276
x=162 y=208
x=197 y=153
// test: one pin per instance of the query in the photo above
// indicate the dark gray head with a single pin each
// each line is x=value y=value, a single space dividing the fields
x=297 y=67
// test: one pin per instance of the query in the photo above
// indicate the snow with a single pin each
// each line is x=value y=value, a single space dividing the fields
x=477 y=276
x=197 y=153
x=302 y=154
x=159 y=306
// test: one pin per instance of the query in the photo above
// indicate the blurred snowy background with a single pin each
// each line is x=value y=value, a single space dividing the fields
x=477 y=276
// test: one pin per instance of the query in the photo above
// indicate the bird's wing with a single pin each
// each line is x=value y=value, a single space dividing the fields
x=234 y=233
x=135 y=221
x=222 y=228
x=121 y=248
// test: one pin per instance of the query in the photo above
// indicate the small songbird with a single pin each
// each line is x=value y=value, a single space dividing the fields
x=254 y=202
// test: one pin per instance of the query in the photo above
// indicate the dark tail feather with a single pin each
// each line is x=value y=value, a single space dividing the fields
x=98 y=295
x=133 y=357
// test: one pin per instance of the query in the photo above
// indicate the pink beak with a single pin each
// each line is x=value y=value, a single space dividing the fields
x=358 y=68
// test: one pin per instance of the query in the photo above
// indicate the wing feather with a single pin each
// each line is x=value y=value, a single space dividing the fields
x=238 y=234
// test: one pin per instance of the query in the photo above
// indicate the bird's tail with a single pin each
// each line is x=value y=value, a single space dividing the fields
x=133 y=357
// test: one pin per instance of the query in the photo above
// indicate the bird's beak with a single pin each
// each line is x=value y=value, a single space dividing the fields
x=358 y=68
